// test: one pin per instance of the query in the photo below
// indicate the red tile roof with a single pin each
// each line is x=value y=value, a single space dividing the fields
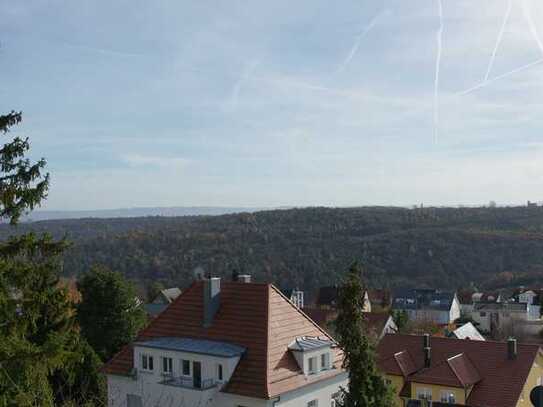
x=497 y=380
x=255 y=316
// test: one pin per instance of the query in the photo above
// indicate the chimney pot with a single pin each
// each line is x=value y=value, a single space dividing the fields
x=244 y=278
x=427 y=356
x=426 y=340
x=212 y=299
x=511 y=348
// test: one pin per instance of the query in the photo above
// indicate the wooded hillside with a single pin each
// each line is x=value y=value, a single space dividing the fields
x=438 y=247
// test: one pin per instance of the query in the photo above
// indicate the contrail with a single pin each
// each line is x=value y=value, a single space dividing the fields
x=499 y=39
x=247 y=72
x=358 y=39
x=488 y=82
x=439 y=38
x=528 y=16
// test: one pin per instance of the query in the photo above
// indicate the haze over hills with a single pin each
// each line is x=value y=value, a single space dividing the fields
x=40 y=215
x=310 y=247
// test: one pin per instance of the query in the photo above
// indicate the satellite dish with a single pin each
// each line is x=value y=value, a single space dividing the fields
x=536 y=396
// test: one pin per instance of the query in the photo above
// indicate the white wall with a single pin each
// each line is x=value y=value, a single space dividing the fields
x=166 y=396
x=321 y=391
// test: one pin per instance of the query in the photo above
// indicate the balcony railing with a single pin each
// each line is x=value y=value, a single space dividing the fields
x=189 y=382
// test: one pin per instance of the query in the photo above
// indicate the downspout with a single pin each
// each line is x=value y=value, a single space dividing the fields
x=277 y=400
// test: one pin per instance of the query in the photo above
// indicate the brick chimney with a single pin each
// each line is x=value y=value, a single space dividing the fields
x=212 y=299
x=511 y=348
x=244 y=278
x=427 y=350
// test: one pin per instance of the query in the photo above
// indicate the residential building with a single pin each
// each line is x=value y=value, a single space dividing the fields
x=228 y=344
x=492 y=317
x=295 y=296
x=461 y=372
x=467 y=331
x=380 y=324
x=327 y=299
x=161 y=301
x=440 y=307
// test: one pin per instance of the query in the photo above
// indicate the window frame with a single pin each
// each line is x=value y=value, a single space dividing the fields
x=312 y=362
x=147 y=362
x=167 y=365
x=424 y=393
x=189 y=362
x=447 y=396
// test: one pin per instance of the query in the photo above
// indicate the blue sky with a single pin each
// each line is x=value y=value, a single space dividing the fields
x=229 y=103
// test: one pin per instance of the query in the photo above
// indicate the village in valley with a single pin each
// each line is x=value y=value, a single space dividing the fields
x=440 y=347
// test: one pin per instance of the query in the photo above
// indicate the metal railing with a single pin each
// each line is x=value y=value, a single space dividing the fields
x=189 y=382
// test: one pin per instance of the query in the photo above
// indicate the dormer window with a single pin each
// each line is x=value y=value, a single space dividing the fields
x=312 y=368
x=312 y=353
x=325 y=361
x=147 y=363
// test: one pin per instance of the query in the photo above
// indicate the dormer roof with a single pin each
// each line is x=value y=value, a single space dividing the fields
x=309 y=343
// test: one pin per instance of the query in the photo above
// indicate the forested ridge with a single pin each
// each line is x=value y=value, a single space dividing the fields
x=309 y=247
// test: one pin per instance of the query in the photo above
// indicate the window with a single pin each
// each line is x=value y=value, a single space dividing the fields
x=185 y=367
x=483 y=314
x=324 y=361
x=147 y=362
x=313 y=403
x=447 y=396
x=312 y=365
x=424 y=393
x=219 y=372
x=167 y=365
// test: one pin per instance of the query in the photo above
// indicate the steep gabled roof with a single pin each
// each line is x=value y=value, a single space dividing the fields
x=254 y=316
x=497 y=380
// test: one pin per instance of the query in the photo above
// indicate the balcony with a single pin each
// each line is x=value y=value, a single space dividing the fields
x=189 y=382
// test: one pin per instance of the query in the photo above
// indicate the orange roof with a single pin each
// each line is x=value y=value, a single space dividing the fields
x=497 y=380
x=255 y=316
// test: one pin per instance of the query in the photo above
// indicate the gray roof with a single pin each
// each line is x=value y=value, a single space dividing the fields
x=506 y=306
x=423 y=299
x=201 y=346
x=307 y=343
x=154 y=309
x=468 y=331
x=171 y=293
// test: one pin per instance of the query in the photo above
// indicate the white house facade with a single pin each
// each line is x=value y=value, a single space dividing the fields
x=243 y=344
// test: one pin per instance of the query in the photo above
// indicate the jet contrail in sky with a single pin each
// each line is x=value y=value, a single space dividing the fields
x=499 y=39
x=528 y=16
x=358 y=39
x=439 y=37
x=488 y=82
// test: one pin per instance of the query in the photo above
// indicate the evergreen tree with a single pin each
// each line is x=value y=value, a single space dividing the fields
x=367 y=387
x=37 y=320
x=108 y=314
x=38 y=337
x=22 y=184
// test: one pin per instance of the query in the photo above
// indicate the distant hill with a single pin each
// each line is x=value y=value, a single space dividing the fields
x=136 y=212
x=437 y=247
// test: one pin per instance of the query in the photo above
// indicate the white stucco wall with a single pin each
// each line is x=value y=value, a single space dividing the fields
x=153 y=394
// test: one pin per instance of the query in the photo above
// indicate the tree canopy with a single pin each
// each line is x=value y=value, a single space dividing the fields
x=109 y=313
x=367 y=387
